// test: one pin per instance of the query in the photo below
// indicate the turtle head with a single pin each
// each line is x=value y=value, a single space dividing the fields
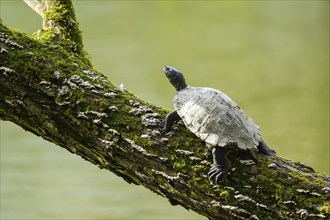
x=175 y=77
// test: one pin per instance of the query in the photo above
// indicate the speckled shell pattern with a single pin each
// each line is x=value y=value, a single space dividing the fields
x=215 y=118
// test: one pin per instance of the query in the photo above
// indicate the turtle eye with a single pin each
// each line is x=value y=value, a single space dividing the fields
x=167 y=68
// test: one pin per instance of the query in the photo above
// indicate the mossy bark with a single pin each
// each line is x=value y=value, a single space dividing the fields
x=50 y=88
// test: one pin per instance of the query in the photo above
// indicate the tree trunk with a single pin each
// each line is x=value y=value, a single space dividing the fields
x=50 y=88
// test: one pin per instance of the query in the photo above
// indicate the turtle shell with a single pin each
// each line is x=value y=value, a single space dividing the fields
x=215 y=118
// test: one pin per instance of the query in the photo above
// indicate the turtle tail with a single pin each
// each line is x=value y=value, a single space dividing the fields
x=265 y=149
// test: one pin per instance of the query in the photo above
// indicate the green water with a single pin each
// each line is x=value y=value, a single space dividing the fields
x=271 y=57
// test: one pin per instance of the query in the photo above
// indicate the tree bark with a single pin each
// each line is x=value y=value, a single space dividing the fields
x=50 y=88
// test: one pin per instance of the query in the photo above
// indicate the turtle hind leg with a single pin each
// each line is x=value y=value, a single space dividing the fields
x=220 y=167
x=253 y=155
x=265 y=149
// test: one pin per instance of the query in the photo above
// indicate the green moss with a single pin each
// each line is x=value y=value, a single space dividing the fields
x=199 y=167
x=202 y=183
x=61 y=26
x=305 y=181
x=225 y=194
x=180 y=165
x=144 y=142
x=279 y=193
x=325 y=208
x=196 y=181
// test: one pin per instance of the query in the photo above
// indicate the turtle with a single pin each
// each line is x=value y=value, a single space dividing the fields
x=216 y=119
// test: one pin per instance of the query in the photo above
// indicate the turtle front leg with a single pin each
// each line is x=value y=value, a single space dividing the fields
x=220 y=167
x=170 y=119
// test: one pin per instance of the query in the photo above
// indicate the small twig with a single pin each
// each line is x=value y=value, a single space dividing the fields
x=35 y=5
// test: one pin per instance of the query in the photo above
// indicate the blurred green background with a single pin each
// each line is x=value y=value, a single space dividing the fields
x=271 y=57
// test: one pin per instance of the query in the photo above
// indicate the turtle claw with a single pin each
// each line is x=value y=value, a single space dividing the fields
x=162 y=127
x=218 y=173
x=220 y=167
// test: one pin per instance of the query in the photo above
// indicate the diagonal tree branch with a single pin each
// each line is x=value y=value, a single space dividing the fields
x=52 y=91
